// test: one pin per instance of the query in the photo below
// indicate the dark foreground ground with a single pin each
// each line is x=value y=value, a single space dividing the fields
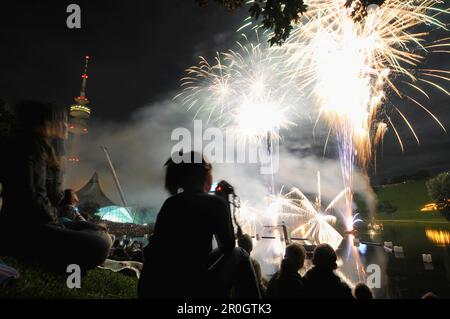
x=38 y=283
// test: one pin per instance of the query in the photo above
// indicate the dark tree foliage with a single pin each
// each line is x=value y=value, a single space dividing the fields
x=439 y=191
x=230 y=4
x=359 y=11
x=279 y=16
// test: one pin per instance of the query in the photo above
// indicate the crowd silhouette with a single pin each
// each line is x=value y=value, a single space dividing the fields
x=179 y=261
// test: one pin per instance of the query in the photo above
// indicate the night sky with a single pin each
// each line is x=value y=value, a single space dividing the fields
x=139 y=50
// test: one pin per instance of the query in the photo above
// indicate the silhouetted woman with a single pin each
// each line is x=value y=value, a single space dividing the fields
x=179 y=261
x=31 y=175
x=287 y=282
x=320 y=281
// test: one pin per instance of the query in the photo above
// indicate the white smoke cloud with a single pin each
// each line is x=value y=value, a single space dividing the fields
x=140 y=147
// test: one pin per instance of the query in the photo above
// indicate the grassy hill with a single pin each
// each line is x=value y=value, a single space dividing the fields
x=36 y=283
x=409 y=198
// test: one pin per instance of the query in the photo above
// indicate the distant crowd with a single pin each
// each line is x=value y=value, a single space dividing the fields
x=126 y=229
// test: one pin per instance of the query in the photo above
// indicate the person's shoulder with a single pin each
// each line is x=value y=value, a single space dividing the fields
x=340 y=288
x=295 y=279
x=170 y=199
x=272 y=287
x=309 y=274
x=213 y=200
x=346 y=291
x=169 y=202
x=199 y=197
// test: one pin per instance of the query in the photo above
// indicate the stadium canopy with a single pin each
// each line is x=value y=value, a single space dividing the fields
x=93 y=193
x=116 y=214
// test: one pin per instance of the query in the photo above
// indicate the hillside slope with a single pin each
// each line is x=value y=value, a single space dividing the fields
x=409 y=198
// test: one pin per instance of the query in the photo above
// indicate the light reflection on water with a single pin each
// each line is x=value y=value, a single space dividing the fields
x=438 y=236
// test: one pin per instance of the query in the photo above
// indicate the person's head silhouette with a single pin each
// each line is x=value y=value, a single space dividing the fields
x=294 y=258
x=324 y=257
x=191 y=173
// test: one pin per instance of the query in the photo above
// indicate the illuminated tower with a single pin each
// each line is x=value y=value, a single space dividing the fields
x=79 y=115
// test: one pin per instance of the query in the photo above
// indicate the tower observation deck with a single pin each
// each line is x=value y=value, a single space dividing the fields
x=79 y=113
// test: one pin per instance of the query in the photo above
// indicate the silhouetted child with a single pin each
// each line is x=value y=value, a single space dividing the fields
x=287 y=282
x=68 y=209
x=361 y=291
x=320 y=281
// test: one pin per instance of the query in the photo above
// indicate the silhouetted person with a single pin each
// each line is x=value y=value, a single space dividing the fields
x=287 y=282
x=68 y=208
x=179 y=261
x=32 y=176
x=320 y=281
x=135 y=251
x=246 y=243
x=362 y=291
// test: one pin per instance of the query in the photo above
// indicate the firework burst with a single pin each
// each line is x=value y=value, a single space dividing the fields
x=348 y=62
x=244 y=91
x=309 y=220
x=350 y=66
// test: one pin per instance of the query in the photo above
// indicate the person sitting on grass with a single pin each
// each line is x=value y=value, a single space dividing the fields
x=31 y=173
x=68 y=209
x=320 y=281
x=179 y=261
x=287 y=282
x=362 y=291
